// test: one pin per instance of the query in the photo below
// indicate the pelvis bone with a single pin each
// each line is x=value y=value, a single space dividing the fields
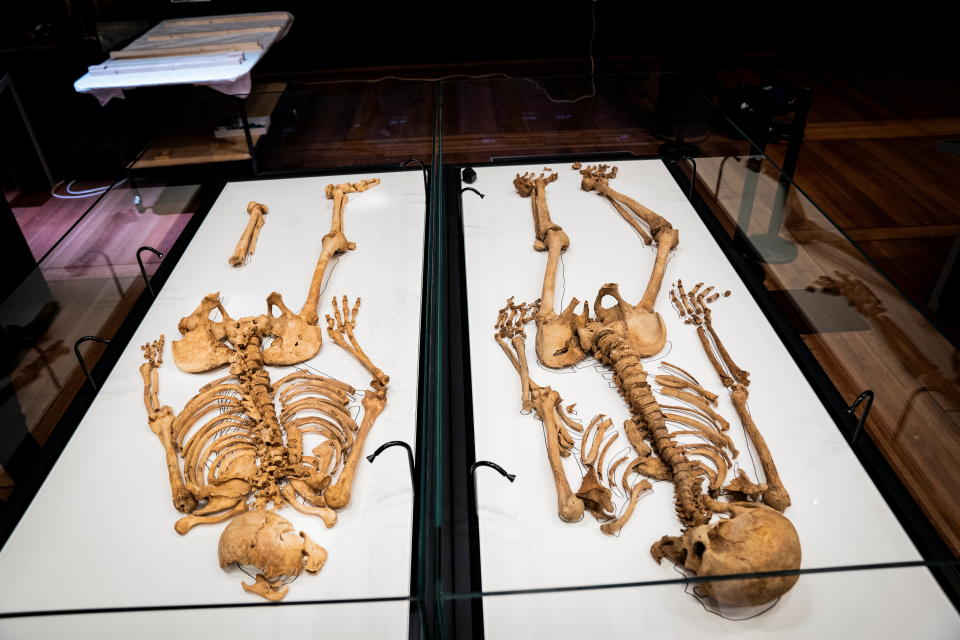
x=642 y=328
x=296 y=337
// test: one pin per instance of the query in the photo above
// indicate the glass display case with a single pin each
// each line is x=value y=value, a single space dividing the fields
x=743 y=395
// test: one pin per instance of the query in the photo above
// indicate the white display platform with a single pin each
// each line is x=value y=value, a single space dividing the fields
x=359 y=620
x=100 y=530
x=839 y=515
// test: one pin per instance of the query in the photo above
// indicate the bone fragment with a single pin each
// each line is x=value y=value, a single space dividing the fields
x=603 y=454
x=597 y=499
x=266 y=589
x=160 y=420
x=682 y=383
x=725 y=379
x=569 y=506
x=613 y=528
x=611 y=478
x=699 y=403
x=776 y=494
x=569 y=422
x=338 y=495
x=247 y=244
x=328 y=515
x=299 y=338
x=745 y=487
x=630 y=220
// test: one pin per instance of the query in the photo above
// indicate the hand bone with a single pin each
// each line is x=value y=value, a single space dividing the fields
x=340 y=329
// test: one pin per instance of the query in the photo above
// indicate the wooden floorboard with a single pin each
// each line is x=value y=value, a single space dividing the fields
x=879 y=129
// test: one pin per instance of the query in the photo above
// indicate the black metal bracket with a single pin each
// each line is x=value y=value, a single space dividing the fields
x=867 y=395
x=398 y=443
x=494 y=466
x=472 y=189
x=248 y=138
x=693 y=177
x=83 y=365
x=423 y=167
x=143 y=271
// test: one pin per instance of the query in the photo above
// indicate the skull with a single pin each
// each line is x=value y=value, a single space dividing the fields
x=264 y=540
x=755 y=538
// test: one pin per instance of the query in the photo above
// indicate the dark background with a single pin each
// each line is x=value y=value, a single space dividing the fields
x=47 y=44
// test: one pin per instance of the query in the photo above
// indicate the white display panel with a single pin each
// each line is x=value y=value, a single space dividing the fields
x=100 y=530
x=837 y=511
x=359 y=620
x=830 y=608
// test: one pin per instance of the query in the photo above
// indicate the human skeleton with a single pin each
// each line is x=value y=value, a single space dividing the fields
x=753 y=535
x=231 y=455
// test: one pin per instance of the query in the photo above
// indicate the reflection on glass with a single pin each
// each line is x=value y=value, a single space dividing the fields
x=862 y=330
x=85 y=285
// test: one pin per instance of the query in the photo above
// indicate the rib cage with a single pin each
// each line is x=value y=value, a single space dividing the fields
x=247 y=450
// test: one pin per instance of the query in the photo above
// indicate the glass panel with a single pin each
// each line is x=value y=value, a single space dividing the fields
x=322 y=125
x=863 y=331
x=861 y=603
x=536 y=409
x=353 y=620
x=642 y=115
x=220 y=462
x=84 y=286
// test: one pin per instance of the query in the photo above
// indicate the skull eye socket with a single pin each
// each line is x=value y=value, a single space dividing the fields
x=699 y=548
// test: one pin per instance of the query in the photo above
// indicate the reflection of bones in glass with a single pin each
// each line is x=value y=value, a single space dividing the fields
x=911 y=354
x=228 y=452
x=247 y=244
x=752 y=537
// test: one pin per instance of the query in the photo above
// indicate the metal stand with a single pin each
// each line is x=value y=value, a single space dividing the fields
x=769 y=246
x=423 y=168
x=83 y=365
x=867 y=395
x=242 y=109
x=143 y=271
x=398 y=443
x=494 y=466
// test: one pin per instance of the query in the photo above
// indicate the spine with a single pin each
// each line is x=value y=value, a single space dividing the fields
x=257 y=399
x=615 y=352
